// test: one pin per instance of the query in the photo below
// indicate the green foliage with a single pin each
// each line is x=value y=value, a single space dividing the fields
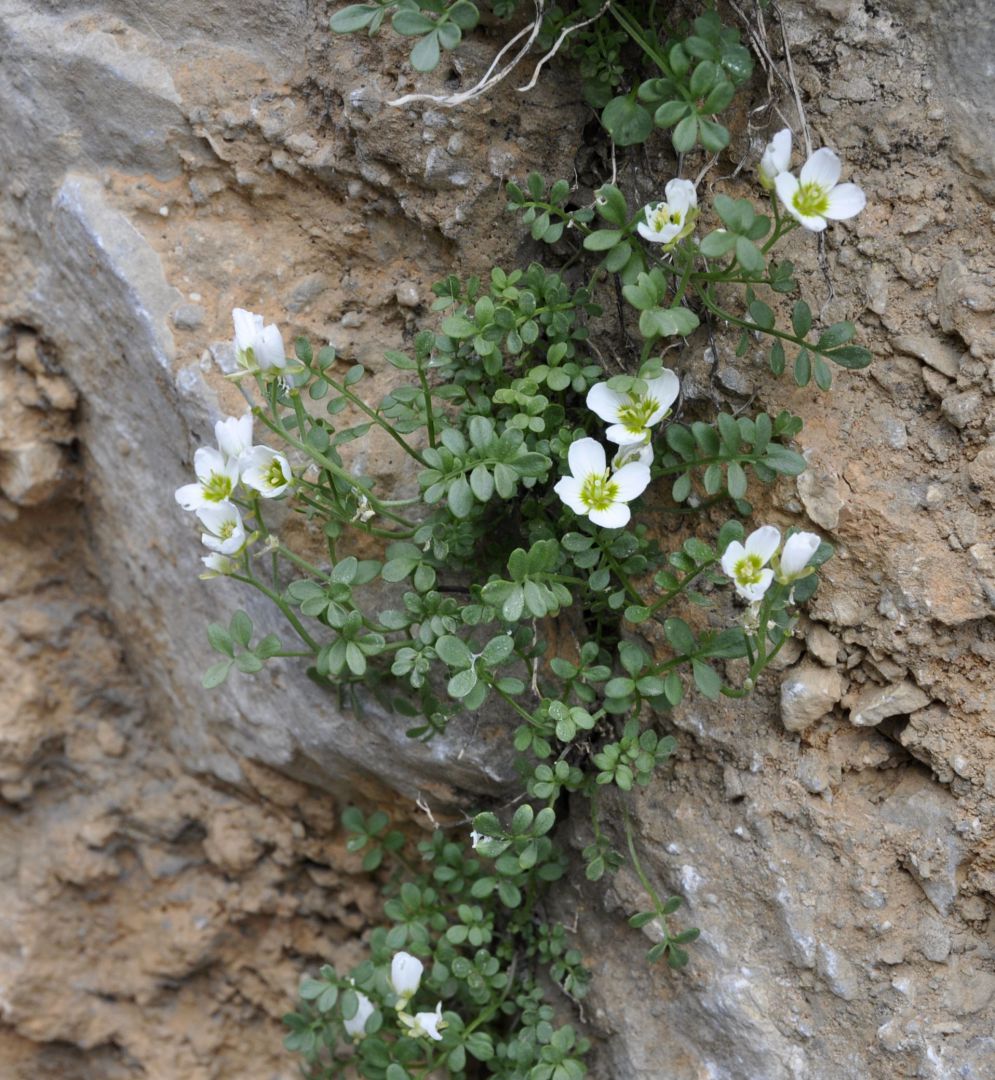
x=486 y=560
x=469 y=916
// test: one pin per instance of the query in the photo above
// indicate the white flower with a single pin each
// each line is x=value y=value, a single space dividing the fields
x=356 y=1027
x=258 y=347
x=234 y=435
x=475 y=838
x=776 y=158
x=817 y=198
x=217 y=565
x=405 y=976
x=669 y=221
x=591 y=491
x=225 y=531
x=746 y=565
x=629 y=452
x=425 y=1024
x=363 y=510
x=266 y=471
x=632 y=415
x=216 y=480
x=798 y=551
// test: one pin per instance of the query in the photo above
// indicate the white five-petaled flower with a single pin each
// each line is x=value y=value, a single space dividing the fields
x=816 y=197
x=234 y=435
x=776 y=158
x=673 y=219
x=798 y=551
x=425 y=1024
x=356 y=1027
x=266 y=471
x=594 y=492
x=257 y=347
x=747 y=565
x=632 y=415
x=405 y=977
x=225 y=531
x=216 y=480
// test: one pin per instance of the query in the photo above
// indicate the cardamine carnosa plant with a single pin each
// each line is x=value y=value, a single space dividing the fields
x=545 y=485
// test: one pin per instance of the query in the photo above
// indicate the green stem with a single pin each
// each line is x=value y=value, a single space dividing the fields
x=251 y=579
x=668 y=596
x=375 y=417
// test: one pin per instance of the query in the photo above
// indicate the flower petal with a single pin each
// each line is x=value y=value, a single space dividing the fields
x=604 y=402
x=587 y=456
x=234 y=435
x=845 y=201
x=269 y=349
x=619 y=433
x=733 y=553
x=786 y=184
x=207 y=461
x=681 y=195
x=780 y=149
x=822 y=168
x=190 y=496
x=664 y=390
x=763 y=542
x=614 y=517
x=798 y=551
x=648 y=233
x=247 y=327
x=632 y=480
x=568 y=489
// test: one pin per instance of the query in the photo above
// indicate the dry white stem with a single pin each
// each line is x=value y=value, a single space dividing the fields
x=564 y=34
x=793 y=82
x=489 y=80
x=423 y=806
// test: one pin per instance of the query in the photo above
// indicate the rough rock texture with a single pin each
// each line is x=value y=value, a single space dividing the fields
x=166 y=888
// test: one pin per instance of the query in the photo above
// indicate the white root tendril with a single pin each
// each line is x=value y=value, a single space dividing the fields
x=564 y=34
x=489 y=80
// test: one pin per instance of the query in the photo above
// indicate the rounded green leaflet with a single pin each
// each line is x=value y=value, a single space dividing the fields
x=627 y=121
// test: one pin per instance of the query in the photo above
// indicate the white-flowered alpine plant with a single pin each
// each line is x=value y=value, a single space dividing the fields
x=214 y=497
x=356 y=1026
x=258 y=348
x=630 y=415
x=776 y=158
x=405 y=977
x=747 y=563
x=594 y=491
x=424 y=1024
x=670 y=221
x=794 y=560
x=816 y=197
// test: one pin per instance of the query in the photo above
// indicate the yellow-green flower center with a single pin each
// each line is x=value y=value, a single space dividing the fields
x=227 y=529
x=217 y=487
x=636 y=414
x=665 y=216
x=274 y=474
x=598 y=492
x=749 y=570
x=811 y=200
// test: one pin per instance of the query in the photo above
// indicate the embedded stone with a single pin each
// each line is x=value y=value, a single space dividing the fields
x=877 y=703
x=936 y=354
x=808 y=693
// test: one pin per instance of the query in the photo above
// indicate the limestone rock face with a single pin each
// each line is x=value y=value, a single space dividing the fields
x=164 y=163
